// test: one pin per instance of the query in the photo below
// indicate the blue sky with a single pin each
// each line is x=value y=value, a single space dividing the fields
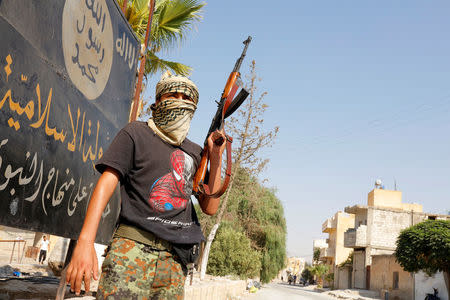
x=359 y=90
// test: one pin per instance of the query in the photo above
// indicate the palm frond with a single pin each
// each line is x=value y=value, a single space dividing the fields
x=155 y=64
x=172 y=20
x=137 y=15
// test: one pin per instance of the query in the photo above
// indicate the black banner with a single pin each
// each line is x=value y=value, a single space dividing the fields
x=67 y=74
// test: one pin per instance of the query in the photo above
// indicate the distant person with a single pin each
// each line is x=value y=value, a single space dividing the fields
x=43 y=249
x=290 y=278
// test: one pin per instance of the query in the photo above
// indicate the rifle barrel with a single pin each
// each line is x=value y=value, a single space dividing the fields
x=237 y=66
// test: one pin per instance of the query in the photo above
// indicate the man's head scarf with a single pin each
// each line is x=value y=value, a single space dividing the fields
x=171 y=118
x=176 y=83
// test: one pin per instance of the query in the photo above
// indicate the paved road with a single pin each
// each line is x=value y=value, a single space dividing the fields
x=275 y=291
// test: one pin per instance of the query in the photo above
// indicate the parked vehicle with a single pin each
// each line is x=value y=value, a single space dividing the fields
x=433 y=296
x=304 y=282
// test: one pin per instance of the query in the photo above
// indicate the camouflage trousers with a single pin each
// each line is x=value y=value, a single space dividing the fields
x=132 y=270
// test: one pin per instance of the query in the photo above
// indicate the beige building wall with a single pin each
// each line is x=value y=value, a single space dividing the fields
x=319 y=243
x=295 y=265
x=384 y=272
x=390 y=199
x=359 y=270
x=385 y=226
x=412 y=207
x=344 y=222
x=344 y=277
x=385 y=198
x=377 y=227
x=336 y=253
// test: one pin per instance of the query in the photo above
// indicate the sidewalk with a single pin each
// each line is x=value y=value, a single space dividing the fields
x=354 y=294
x=35 y=281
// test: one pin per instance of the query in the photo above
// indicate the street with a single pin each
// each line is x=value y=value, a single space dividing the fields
x=285 y=291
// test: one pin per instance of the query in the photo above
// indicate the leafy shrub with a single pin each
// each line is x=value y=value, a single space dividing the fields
x=232 y=254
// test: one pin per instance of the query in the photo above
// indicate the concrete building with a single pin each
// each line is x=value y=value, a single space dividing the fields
x=294 y=266
x=387 y=276
x=321 y=245
x=373 y=239
x=376 y=228
x=336 y=254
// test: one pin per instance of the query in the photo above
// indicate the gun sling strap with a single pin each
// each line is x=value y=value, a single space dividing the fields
x=223 y=188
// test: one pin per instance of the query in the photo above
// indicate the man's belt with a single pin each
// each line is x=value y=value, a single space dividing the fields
x=142 y=236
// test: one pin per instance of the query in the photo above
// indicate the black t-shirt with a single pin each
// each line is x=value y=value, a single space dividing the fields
x=155 y=182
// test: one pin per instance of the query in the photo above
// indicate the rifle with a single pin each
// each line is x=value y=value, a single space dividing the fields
x=225 y=107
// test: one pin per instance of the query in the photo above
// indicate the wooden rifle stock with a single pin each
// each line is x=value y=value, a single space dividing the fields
x=231 y=86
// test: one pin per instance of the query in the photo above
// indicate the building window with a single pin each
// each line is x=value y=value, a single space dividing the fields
x=431 y=217
x=395 y=281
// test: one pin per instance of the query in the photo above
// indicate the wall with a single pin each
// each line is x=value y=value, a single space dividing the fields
x=336 y=253
x=221 y=289
x=295 y=265
x=382 y=277
x=361 y=218
x=344 y=222
x=332 y=237
x=425 y=284
x=9 y=233
x=344 y=277
x=319 y=243
x=385 y=198
x=391 y=199
x=58 y=250
x=412 y=207
x=385 y=225
x=359 y=270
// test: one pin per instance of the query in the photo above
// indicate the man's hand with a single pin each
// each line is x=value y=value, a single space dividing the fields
x=82 y=267
x=216 y=146
x=84 y=259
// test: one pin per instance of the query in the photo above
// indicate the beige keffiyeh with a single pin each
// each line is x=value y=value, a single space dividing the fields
x=175 y=83
x=172 y=119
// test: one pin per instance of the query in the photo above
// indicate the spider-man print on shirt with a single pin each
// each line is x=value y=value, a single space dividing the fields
x=173 y=190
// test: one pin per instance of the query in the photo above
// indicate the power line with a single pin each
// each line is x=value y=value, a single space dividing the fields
x=378 y=123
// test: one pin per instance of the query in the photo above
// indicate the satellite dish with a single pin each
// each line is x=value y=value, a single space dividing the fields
x=378 y=184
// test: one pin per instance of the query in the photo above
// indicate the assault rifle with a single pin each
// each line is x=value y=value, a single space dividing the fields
x=226 y=106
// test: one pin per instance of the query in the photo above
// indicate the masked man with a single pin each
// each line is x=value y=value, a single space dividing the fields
x=158 y=230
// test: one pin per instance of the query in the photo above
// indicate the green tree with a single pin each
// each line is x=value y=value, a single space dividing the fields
x=307 y=275
x=320 y=270
x=233 y=255
x=316 y=255
x=250 y=138
x=172 y=20
x=256 y=211
x=262 y=217
x=426 y=246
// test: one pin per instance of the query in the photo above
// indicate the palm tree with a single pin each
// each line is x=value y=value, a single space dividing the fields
x=320 y=270
x=172 y=19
